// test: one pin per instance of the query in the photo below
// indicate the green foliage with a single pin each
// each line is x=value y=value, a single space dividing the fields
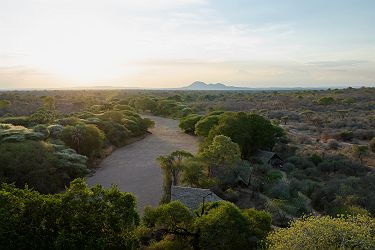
x=204 y=125
x=39 y=165
x=222 y=152
x=250 y=131
x=10 y=133
x=188 y=123
x=43 y=116
x=193 y=173
x=43 y=130
x=4 y=104
x=55 y=130
x=260 y=222
x=84 y=139
x=316 y=159
x=352 y=232
x=123 y=107
x=171 y=166
x=221 y=225
x=145 y=103
x=16 y=121
x=80 y=218
x=326 y=100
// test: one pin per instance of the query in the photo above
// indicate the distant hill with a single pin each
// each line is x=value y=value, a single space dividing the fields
x=211 y=86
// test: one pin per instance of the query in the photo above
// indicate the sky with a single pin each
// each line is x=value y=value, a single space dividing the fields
x=171 y=43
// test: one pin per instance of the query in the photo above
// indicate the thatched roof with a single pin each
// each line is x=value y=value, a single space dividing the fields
x=266 y=156
x=192 y=197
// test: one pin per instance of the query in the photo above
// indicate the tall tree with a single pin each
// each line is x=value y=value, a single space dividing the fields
x=250 y=131
x=221 y=153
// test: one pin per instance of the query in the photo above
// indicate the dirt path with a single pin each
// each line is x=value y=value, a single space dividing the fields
x=134 y=168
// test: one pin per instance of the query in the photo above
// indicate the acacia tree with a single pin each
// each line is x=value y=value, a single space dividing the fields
x=250 y=131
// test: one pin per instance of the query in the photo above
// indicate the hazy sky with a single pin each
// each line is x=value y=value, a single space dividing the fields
x=169 y=43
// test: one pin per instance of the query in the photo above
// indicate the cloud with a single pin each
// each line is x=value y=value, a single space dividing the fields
x=340 y=63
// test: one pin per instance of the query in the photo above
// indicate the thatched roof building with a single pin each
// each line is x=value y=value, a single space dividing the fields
x=192 y=197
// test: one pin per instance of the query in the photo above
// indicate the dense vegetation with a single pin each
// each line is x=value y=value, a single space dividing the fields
x=320 y=195
x=46 y=148
x=97 y=218
x=80 y=218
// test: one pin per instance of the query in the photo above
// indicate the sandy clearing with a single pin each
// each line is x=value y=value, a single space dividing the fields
x=134 y=169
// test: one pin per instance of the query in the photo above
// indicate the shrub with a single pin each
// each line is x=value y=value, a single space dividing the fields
x=35 y=163
x=188 y=123
x=325 y=232
x=17 y=121
x=84 y=139
x=333 y=144
x=55 y=130
x=43 y=130
x=204 y=125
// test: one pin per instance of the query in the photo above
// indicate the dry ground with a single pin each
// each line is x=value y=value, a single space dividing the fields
x=134 y=169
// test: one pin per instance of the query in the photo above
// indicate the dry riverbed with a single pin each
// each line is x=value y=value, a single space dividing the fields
x=134 y=169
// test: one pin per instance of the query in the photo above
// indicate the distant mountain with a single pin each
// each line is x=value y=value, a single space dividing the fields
x=211 y=86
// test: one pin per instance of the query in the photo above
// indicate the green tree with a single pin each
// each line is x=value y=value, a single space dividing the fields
x=80 y=218
x=146 y=103
x=43 y=116
x=188 y=123
x=221 y=153
x=84 y=139
x=352 y=232
x=204 y=125
x=193 y=173
x=250 y=131
x=39 y=165
x=222 y=225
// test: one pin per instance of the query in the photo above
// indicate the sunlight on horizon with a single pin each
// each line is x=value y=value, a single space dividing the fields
x=168 y=43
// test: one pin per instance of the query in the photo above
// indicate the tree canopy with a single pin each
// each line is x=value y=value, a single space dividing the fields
x=80 y=218
x=250 y=131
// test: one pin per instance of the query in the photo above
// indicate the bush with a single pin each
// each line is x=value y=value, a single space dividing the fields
x=84 y=139
x=36 y=164
x=43 y=130
x=188 y=123
x=204 y=125
x=17 y=121
x=325 y=233
x=333 y=144
x=55 y=130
